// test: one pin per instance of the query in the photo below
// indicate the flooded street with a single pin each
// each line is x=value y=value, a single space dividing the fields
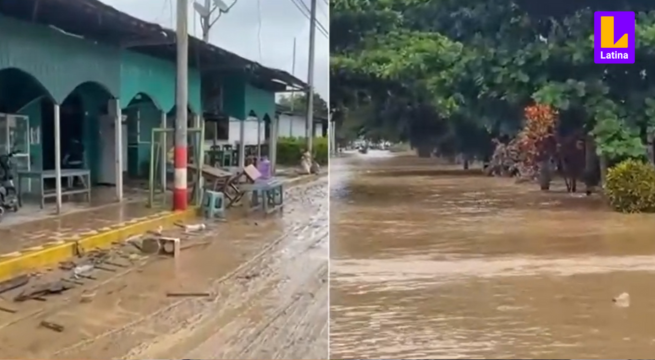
x=262 y=285
x=433 y=262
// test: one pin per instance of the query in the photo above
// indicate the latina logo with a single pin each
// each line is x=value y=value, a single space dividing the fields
x=614 y=37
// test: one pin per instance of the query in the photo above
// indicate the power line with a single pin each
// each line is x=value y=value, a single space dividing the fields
x=259 y=28
x=166 y=3
x=320 y=8
x=318 y=23
x=305 y=13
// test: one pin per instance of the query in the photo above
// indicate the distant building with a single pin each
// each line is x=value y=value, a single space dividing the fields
x=292 y=123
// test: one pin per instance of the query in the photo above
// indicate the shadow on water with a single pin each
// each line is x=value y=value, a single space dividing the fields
x=429 y=265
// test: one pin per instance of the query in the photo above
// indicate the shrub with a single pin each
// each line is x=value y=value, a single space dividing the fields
x=630 y=186
x=400 y=147
x=290 y=149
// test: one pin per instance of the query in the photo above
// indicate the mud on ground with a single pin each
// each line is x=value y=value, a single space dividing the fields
x=262 y=285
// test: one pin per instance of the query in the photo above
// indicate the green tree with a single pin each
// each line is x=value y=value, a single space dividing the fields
x=298 y=103
x=438 y=71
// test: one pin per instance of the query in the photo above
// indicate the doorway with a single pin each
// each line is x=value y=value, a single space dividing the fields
x=71 y=130
x=107 y=168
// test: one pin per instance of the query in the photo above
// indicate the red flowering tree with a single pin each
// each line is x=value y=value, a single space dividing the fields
x=536 y=140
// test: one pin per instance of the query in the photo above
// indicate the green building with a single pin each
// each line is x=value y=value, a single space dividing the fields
x=91 y=67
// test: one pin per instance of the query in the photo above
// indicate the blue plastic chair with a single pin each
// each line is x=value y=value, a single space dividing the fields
x=213 y=204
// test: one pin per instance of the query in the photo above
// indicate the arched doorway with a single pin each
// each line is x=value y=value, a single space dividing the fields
x=142 y=114
x=22 y=99
x=81 y=114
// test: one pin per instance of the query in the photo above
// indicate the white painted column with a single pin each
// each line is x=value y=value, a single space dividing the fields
x=272 y=143
x=242 y=145
x=163 y=156
x=58 y=157
x=259 y=139
x=115 y=112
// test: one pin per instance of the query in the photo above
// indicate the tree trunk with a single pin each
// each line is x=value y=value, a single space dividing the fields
x=590 y=155
x=466 y=162
x=602 y=160
x=545 y=175
x=424 y=151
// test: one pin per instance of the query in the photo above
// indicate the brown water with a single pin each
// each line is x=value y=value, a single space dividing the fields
x=266 y=284
x=436 y=264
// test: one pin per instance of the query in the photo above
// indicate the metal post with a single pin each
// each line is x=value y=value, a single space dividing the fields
x=205 y=23
x=272 y=143
x=118 y=151
x=310 y=79
x=331 y=138
x=199 y=123
x=58 y=157
x=180 y=197
x=242 y=145
x=163 y=153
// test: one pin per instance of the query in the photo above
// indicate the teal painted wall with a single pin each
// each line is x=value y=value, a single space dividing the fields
x=94 y=100
x=33 y=111
x=156 y=78
x=234 y=101
x=260 y=101
x=59 y=62
x=138 y=158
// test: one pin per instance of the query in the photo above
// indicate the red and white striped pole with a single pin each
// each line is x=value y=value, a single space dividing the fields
x=181 y=101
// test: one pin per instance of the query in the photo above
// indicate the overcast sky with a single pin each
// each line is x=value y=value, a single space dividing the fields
x=240 y=31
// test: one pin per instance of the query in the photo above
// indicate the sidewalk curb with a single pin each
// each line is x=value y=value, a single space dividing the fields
x=52 y=253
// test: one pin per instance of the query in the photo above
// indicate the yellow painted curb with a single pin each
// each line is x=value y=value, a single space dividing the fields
x=51 y=254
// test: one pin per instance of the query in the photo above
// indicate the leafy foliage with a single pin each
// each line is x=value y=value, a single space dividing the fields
x=430 y=70
x=630 y=187
x=537 y=139
x=298 y=103
x=290 y=149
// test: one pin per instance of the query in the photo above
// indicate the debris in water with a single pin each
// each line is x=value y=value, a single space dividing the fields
x=623 y=300
x=188 y=294
x=150 y=246
x=170 y=246
x=82 y=270
x=7 y=310
x=199 y=244
x=87 y=297
x=14 y=283
x=52 y=326
x=249 y=276
x=157 y=231
x=192 y=227
x=38 y=291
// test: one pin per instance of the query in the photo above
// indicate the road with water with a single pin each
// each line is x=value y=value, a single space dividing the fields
x=261 y=286
x=432 y=262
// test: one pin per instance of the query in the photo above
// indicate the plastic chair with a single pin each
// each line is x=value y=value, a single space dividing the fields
x=213 y=204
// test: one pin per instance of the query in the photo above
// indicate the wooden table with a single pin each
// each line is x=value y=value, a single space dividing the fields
x=42 y=175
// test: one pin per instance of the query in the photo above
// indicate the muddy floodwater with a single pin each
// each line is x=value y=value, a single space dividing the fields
x=433 y=262
x=260 y=284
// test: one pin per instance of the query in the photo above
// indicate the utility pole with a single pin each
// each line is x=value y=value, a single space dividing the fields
x=293 y=72
x=180 y=196
x=310 y=78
